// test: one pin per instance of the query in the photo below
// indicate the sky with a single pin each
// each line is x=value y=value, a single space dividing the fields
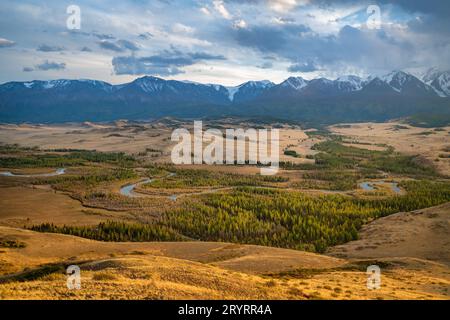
x=226 y=42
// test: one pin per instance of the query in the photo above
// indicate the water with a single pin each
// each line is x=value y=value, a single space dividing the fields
x=370 y=185
x=366 y=186
x=395 y=187
x=128 y=190
x=58 y=172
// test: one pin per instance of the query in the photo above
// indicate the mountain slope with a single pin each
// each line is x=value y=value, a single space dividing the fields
x=348 y=98
x=248 y=90
x=439 y=81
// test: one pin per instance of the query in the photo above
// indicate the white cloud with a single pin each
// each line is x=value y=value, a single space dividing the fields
x=285 y=5
x=240 y=24
x=205 y=10
x=4 y=43
x=220 y=7
x=181 y=28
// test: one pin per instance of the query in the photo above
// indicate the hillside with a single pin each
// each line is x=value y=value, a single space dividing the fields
x=202 y=270
x=422 y=234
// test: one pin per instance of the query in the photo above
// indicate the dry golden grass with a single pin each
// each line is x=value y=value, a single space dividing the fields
x=133 y=138
x=156 y=277
x=412 y=248
x=421 y=234
x=29 y=206
x=108 y=137
x=406 y=139
x=202 y=270
x=44 y=248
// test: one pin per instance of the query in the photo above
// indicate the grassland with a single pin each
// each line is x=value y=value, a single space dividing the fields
x=225 y=224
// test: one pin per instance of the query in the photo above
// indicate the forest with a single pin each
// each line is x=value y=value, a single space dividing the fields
x=269 y=217
x=255 y=209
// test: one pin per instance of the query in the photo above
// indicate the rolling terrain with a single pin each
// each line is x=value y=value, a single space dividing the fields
x=307 y=233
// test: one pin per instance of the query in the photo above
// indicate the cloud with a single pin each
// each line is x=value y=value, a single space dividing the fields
x=145 y=36
x=118 y=46
x=269 y=38
x=220 y=7
x=305 y=67
x=266 y=65
x=240 y=24
x=5 y=43
x=332 y=34
x=126 y=44
x=285 y=5
x=166 y=63
x=205 y=11
x=27 y=69
x=109 y=45
x=181 y=28
x=103 y=36
x=49 y=65
x=362 y=49
x=49 y=48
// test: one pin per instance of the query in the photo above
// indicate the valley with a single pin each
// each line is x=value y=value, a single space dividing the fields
x=105 y=196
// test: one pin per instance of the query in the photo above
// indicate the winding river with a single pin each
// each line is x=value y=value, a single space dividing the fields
x=128 y=190
x=58 y=172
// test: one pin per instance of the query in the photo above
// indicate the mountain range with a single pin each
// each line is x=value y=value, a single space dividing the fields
x=348 y=98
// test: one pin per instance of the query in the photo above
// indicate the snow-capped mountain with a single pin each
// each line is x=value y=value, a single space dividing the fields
x=349 y=97
x=322 y=85
x=439 y=81
x=406 y=83
x=350 y=83
x=61 y=84
x=153 y=90
x=296 y=83
x=248 y=90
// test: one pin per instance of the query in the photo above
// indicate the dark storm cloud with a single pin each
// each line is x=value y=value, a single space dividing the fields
x=27 y=69
x=166 y=63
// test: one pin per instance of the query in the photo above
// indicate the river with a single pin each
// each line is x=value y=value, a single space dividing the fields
x=371 y=185
x=58 y=172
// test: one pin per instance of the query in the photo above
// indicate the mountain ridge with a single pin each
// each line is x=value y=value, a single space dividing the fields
x=345 y=98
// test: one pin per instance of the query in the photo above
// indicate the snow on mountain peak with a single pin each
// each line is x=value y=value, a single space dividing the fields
x=297 y=83
x=438 y=80
x=263 y=84
x=354 y=83
x=150 y=84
